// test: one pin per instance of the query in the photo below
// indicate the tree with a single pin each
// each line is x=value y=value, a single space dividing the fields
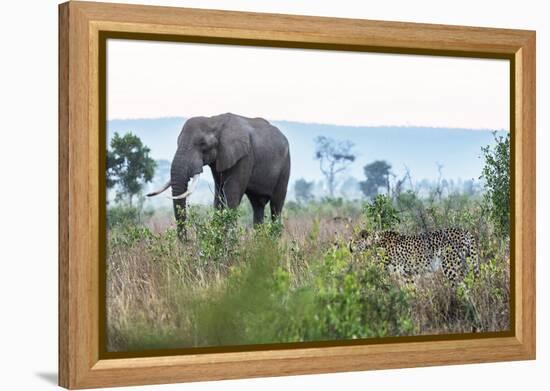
x=129 y=166
x=334 y=157
x=377 y=175
x=303 y=190
x=496 y=173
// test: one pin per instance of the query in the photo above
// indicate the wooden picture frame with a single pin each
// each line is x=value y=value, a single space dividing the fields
x=83 y=26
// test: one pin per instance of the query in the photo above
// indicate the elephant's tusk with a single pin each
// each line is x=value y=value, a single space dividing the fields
x=190 y=190
x=157 y=192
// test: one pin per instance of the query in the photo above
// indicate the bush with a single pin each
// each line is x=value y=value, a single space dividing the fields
x=228 y=285
x=343 y=301
x=356 y=299
x=381 y=214
x=217 y=233
x=271 y=230
x=257 y=300
x=247 y=306
x=124 y=215
x=496 y=173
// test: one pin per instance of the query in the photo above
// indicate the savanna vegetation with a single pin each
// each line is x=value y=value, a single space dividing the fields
x=295 y=279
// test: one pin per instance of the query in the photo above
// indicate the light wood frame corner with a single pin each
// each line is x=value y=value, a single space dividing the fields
x=80 y=166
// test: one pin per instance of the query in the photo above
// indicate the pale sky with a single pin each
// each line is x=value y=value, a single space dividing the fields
x=160 y=79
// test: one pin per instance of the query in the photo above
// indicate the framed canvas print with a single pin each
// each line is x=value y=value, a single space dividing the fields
x=248 y=195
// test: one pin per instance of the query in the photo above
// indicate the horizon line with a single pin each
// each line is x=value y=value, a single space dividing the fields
x=484 y=129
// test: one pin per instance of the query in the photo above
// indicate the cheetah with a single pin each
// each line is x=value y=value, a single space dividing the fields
x=450 y=250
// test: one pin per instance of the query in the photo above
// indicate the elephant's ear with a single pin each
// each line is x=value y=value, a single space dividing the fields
x=234 y=144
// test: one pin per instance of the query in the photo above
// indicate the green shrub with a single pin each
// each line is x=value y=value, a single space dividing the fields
x=243 y=309
x=122 y=215
x=269 y=229
x=380 y=213
x=355 y=298
x=217 y=234
x=496 y=174
x=256 y=303
x=128 y=235
x=227 y=285
x=488 y=293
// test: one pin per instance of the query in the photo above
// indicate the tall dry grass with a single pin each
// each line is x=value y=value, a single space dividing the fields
x=280 y=284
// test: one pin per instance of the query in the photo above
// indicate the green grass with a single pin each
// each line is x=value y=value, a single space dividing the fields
x=230 y=284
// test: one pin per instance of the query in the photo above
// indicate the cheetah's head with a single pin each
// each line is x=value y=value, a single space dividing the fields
x=364 y=240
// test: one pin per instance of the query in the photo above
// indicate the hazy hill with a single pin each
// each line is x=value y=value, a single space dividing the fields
x=418 y=148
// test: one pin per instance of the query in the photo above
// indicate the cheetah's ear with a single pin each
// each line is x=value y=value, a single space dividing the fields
x=364 y=234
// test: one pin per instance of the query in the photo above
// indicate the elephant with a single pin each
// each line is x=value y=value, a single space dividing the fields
x=246 y=155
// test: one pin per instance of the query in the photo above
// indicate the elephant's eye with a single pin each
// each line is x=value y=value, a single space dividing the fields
x=205 y=145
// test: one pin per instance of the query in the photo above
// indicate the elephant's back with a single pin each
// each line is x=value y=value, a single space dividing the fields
x=264 y=134
x=269 y=143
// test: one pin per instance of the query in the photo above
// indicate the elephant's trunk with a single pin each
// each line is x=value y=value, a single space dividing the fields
x=181 y=215
x=179 y=177
x=181 y=172
x=180 y=209
x=190 y=190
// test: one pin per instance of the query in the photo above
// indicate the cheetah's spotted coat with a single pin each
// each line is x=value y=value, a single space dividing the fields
x=412 y=255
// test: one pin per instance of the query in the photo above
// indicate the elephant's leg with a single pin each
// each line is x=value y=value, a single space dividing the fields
x=258 y=206
x=276 y=207
x=278 y=199
x=233 y=182
x=231 y=194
